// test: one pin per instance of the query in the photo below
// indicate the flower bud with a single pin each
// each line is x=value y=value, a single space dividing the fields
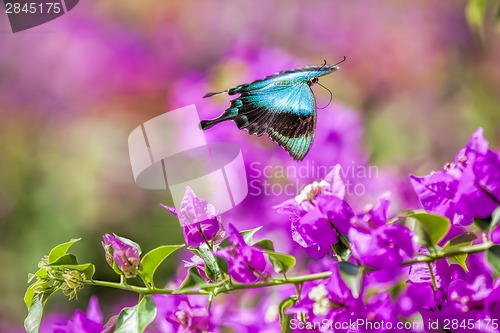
x=122 y=255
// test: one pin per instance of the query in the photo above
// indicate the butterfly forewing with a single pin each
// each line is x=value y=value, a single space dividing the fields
x=294 y=76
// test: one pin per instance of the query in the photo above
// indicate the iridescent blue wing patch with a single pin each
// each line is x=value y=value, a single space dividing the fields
x=280 y=105
x=287 y=113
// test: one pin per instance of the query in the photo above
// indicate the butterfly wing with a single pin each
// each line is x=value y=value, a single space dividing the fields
x=281 y=105
x=299 y=75
x=286 y=112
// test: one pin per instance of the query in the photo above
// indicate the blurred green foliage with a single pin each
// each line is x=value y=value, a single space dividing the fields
x=477 y=12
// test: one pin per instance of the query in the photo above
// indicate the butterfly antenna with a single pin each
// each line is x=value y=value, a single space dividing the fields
x=341 y=61
x=215 y=93
x=324 y=64
x=331 y=95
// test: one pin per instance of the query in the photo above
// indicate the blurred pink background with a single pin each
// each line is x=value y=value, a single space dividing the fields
x=417 y=82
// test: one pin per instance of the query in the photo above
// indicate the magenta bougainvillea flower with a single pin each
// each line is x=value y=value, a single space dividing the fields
x=88 y=322
x=384 y=247
x=319 y=214
x=375 y=216
x=189 y=319
x=197 y=261
x=377 y=244
x=199 y=220
x=246 y=263
x=465 y=189
x=122 y=253
x=320 y=227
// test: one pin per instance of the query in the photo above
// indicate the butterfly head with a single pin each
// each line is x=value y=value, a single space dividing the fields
x=312 y=81
x=320 y=72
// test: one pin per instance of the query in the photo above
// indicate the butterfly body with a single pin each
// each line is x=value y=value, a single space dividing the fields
x=281 y=105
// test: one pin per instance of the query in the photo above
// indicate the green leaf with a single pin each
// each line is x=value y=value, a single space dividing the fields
x=494 y=259
x=284 y=318
x=193 y=280
x=247 y=236
x=475 y=13
x=459 y=260
x=490 y=223
x=341 y=250
x=461 y=240
x=265 y=244
x=28 y=296
x=351 y=274
x=137 y=318
x=495 y=216
x=32 y=321
x=152 y=260
x=432 y=229
x=60 y=250
x=87 y=269
x=482 y=223
x=281 y=262
x=67 y=259
x=397 y=289
x=212 y=269
x=456 y=243
x=40 y=287
x=40 y=273
x=222 y=265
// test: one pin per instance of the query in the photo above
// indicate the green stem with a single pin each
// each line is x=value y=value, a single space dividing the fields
x=298 y=289
x=296 y=280
x=142 y=290
x=433 y=277
x=289 y=280
x=149 y=286
x=440 y=255
x=362 y=283
x=343 y=239
x=145 y=291
x=209 y=304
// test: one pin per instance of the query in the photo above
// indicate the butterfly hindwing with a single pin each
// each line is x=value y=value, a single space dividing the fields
x=296 y=141
x=287 y=113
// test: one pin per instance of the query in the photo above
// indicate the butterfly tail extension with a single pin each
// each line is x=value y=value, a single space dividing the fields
x=215 y=93
x=206 y=124
x=209 y=123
